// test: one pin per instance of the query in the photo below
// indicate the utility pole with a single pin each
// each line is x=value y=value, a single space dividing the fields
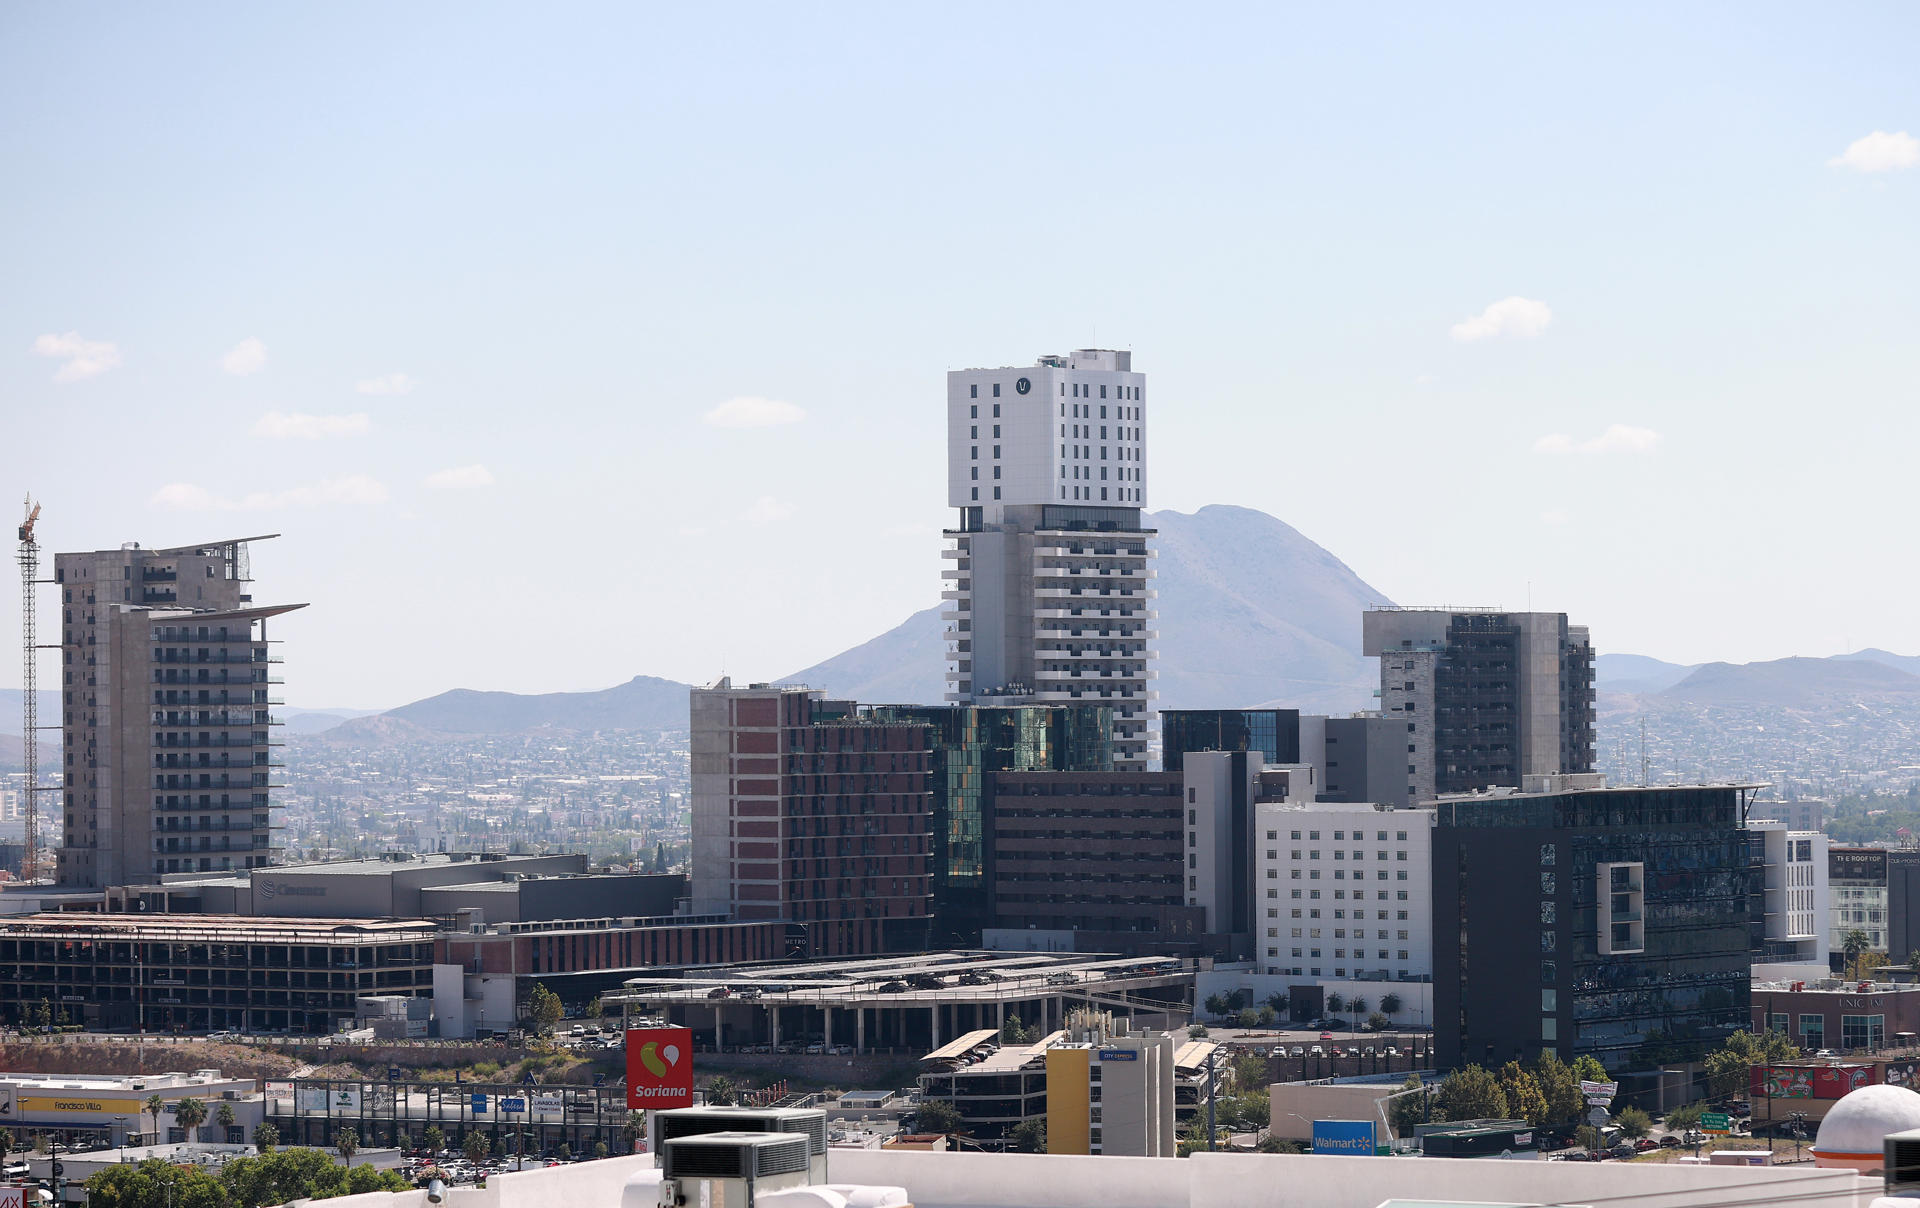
x=1210 y=1097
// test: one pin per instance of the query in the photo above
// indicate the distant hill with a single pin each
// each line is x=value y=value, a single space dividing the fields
x=1251 y=612
x=642 y=703
x=13 y=755
x=1792 y=682
x=1903 y=662
x=312 y=721
x=1635 y=673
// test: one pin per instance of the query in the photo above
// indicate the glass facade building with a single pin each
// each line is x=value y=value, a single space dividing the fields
x=970 y=742
x=1610 y=922
x=1274 y=733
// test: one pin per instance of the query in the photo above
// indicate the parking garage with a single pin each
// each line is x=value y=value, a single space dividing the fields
x=905 y=1003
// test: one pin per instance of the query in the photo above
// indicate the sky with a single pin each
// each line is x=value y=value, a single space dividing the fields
x=565 y=343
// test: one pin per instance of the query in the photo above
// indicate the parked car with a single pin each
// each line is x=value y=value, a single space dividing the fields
x=1644 y=1144
x=1669 y=1142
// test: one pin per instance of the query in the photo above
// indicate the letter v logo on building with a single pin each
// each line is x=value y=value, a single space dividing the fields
x=659 y=1067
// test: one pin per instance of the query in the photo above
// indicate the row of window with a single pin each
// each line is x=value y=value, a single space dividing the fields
x=1359 y=836
x=1339 y=874
x=1339 y=933
x=1313 y=853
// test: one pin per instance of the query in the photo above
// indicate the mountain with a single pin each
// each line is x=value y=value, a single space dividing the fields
x=642 y=703
x=1251 y=612
x=1792 y=682
x=313 y=721
x=1635 y=674
x=1904 y=662
x=13 y=754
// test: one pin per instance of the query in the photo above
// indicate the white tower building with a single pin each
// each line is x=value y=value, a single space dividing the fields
x=1050 y=596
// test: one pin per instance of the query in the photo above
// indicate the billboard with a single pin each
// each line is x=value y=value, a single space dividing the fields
x=1838 y=1081
x=13 y=1197
x=279 y=1090
x=1348 y=1137
x=659 y=1067
x=512 y=1103
x=548 y=1103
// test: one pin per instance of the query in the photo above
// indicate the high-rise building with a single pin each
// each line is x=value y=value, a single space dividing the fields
x=1273 y=734
x=808 y=813
x=1591 y=921
x=1051 y=596
x=167 y=683
x=1789 y=907
x=1486 y=697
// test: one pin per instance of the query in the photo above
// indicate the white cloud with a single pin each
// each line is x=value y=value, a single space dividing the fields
x=1553 y=518
x=248 y=356
x=750 y=412
x=391 y=383
x=461 y=477
x=354 y=489
x=768 y=510
x=84 y=358
x=1522 y=318
x=1618 y=438
x=1879 y=152
x=299 y=426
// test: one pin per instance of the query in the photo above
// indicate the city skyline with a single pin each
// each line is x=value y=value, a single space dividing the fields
x=484 y=304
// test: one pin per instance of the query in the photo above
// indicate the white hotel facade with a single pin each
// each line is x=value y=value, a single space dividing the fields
x=1049 y=589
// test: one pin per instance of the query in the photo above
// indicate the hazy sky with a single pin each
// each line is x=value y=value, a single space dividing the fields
x=1614 y=310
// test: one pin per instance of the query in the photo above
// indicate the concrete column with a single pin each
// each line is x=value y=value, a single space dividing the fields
x=826 y=1032
x=1000 y=1020
x=860 y=1030
x=773 y=1026
x=933 y=1012
x=718 y=1027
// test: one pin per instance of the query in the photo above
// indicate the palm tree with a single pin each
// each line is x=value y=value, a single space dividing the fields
x=1390 y=1005
x=1335 y=1003
x=265 y=1137
x=1853 y=944
x=6 y=1144
x=189 y=1114
x=224 y=1118
x=1358 y=1005
x=347 y=1141
x=153 y=1107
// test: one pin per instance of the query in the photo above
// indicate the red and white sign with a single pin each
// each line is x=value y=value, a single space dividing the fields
x=13 y=1197
x=659 y=1068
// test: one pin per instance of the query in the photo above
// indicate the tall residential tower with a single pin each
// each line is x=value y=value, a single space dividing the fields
x=166 y=686
x=1050 y=597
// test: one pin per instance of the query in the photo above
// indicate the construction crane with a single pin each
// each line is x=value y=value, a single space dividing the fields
x=29 y=558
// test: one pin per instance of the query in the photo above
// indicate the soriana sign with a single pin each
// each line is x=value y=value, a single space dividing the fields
x=659 y=1067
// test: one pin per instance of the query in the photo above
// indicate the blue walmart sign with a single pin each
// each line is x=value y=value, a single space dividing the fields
x=1349 y=1137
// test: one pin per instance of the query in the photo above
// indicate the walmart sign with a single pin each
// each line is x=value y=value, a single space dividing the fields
x=1350 y=1137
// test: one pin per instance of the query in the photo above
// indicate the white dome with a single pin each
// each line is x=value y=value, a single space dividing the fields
x=1855 y=1131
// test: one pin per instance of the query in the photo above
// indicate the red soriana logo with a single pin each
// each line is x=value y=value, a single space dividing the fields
x=659 y=1067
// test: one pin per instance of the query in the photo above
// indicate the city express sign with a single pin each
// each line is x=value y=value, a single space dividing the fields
x=64 y=1105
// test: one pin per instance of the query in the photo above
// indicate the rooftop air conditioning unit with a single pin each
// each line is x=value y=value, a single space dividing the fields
x=731 y=1168
x=810 y=1122
x=1901 y=1173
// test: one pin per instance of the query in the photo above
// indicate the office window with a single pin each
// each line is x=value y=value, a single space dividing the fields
x=996 y=394
x=973 y=391
x=1296 y=893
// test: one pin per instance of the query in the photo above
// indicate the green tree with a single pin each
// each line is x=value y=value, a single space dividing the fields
x=937 y=1116
x=543 y=1009
x=1278 y=1001
x=1408 y=1110
x=595 y=1009
x=1197 y=1031
x=364 y=1180
x=224 y=1117
x=1559 y=1088
x=563 y=1151
x=476 y=1146
x=1028 y=1136
x=1335 y=1003
x=1472 y=1093
x=1587 y=1068
x=433 y=1138
x=633 y=1129
x=1587 y=1137
x=1681 y=1119
x=155 y=1184
x=347 y=1142
x=190 y=1114
x=282 y=1176
x=1266 y=1015
x=1632 y=1122
x=1249 y=1070
x=1272 y=1144
x=1525 y=1099
x=1727 y=1065
x=600 y=1150
x=1218 y=1005
x=721 y=1091
x=153 y=1107
x=1852 y=944
x=1391 y=1004
x=1358 y=1004
x=1013 y=1031
x=1247 y=1017
x=265 y=1137
x=1377 y=1022
x=6 y=1144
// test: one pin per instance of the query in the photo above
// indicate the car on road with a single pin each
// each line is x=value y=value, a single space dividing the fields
x=1670 y=1142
